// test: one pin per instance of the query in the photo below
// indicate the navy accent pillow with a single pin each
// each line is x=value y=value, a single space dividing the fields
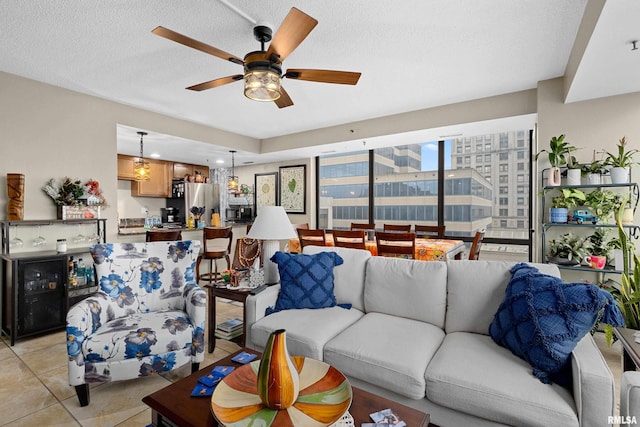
x=542 y=318
x=306 y=281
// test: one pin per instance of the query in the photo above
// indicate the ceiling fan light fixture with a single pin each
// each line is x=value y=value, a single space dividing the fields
x=262 y=85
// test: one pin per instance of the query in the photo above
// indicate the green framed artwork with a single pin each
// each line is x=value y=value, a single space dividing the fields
x=293 y=192
x=266 y=190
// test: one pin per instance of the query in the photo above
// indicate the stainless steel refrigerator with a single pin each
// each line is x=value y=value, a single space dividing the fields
x=203 y=197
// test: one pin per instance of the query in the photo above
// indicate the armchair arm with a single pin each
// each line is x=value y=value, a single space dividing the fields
x=593 y=385
x=82 y=320
x=196 y=309
x=255 y=307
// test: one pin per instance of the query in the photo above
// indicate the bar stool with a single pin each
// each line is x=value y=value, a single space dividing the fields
x=214 y=249
x=163 y=236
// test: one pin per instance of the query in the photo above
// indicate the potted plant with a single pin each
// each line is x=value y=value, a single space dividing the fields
x=599 y=245
x=626 y=293
x=558 y=153
x=603 y=203
x=620 y=162
x=568 y=249
x=594 y=171
x=560 y=205
x=574 y=169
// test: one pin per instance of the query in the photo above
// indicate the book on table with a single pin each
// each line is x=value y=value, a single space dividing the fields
x=231 y=325
x=228 y=335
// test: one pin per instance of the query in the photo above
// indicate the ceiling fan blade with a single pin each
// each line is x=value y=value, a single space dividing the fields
x=284 y=100
x=294 y=29
x=215 y=83
x=324 y=76
x=195 y=44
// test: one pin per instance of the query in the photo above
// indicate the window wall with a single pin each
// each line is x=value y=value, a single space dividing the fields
x=467 y=184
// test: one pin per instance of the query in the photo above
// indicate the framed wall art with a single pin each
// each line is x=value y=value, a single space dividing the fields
x=293 y=192
x=266 y=190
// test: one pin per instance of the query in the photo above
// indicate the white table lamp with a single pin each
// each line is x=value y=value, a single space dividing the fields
x=271 y=226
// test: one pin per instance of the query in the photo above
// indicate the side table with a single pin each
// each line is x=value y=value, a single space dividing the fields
x=630 y=348
x=239 y=295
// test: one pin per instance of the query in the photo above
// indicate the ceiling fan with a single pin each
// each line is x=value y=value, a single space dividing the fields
x=263 y=69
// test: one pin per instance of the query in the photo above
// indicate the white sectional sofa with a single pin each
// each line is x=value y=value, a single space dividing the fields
x=417 y=333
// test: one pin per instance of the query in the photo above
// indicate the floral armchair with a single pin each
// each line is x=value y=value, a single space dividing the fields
x=148 y=316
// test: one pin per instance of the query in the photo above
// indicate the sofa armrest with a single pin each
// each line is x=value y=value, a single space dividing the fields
x=593 y=385
x=255 y=307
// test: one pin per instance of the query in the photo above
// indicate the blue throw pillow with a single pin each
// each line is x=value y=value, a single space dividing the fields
x=542 y=318
x=306 y=281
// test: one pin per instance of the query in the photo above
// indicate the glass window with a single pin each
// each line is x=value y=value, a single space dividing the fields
x=520 y=155
x=405 y=188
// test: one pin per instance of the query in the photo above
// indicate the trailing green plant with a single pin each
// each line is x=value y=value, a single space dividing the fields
x=623 y=158
x=604 y=203
x=559 y=152
x=626 y=293
x=570 y=197
x=570 y=246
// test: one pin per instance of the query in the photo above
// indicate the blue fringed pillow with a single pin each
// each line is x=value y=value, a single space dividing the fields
x=306 y=281
x=542 y=318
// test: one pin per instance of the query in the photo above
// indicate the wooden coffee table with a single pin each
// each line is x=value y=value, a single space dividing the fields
x=174 y=406
x=630 y=348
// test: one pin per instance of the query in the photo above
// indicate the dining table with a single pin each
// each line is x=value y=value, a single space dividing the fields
x=427 y=249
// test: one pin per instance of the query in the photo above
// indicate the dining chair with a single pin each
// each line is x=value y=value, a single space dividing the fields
x=429 y=231
x=361 y=226
x=311 y=237
x=354 y=239
x=403 y=228
x=163 y=236
x=474 y=252
x=217 y=245
x=396 y=244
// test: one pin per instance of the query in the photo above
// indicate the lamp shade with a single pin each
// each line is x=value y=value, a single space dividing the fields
x=272 y=224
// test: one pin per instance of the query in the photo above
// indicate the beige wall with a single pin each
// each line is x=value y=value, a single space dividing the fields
x=49 y=132
x=596 y=124
x=246 y=176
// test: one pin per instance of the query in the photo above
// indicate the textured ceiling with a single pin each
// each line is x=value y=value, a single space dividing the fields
x=412 y=54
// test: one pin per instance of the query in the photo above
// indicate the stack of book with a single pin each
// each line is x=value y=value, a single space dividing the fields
x=229 y=329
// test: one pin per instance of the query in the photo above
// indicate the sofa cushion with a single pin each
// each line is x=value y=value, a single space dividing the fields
x=388 y=351
x=542 y=318
x=476 y=289
x=348 y=277
x=307 y=330
x=306 y=281
x=471 y=374
x=407 y=288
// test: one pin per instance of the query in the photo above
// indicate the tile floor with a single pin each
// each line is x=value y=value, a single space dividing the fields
x=34 y=389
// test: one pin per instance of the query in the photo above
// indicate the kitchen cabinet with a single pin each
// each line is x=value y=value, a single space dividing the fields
x=160 y=183
x=182 y=169
x=125 y=167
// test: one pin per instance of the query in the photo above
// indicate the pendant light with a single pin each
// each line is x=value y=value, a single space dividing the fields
x=233 y=179
x=141 y=166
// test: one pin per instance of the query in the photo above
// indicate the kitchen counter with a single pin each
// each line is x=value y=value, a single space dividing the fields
x=135 y=231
